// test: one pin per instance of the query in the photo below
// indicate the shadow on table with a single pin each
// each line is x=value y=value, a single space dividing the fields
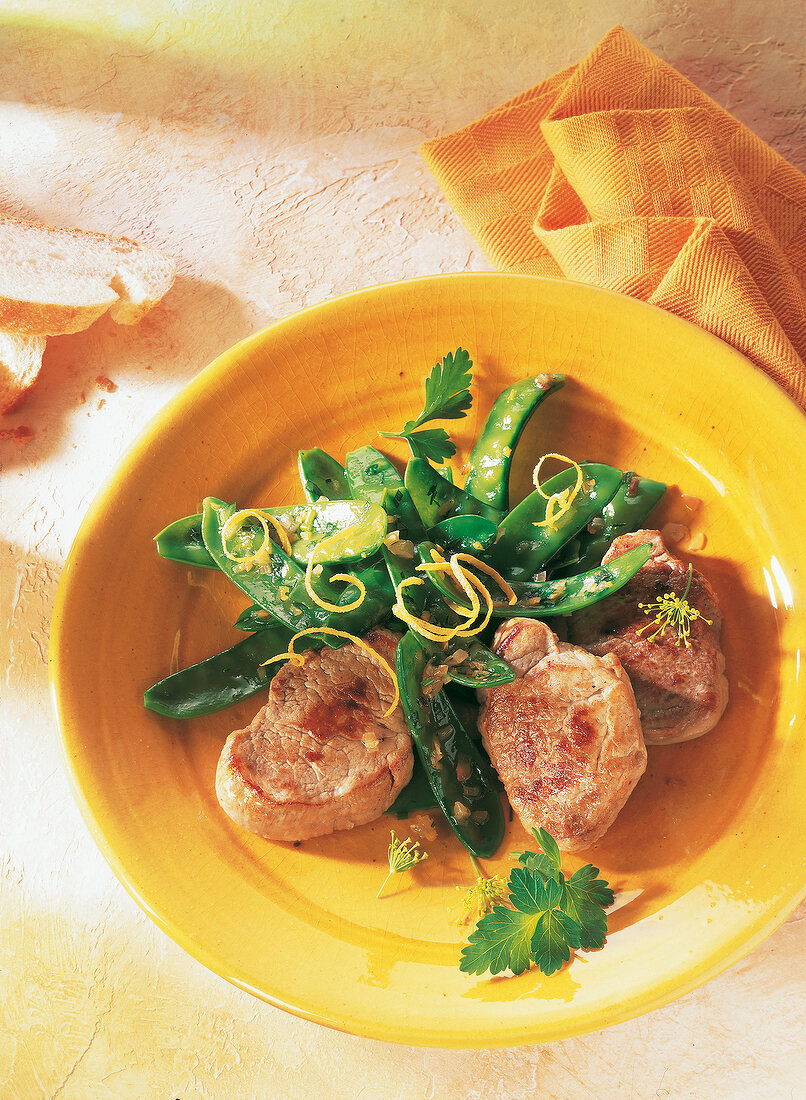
x=196 y=322
x=322 y=66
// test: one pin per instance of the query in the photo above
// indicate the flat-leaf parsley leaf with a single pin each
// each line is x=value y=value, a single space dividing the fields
x=447 y=397
x=545 y=919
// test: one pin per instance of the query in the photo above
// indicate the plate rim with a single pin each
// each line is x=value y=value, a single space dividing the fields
x=184 y=397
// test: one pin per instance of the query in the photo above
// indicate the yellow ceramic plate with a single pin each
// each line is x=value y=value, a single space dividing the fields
x=709 y=854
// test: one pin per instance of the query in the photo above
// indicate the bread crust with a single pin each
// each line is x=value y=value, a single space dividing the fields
x=59 y=281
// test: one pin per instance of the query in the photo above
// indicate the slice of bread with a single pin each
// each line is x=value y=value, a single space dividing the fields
x=20 y=360
x=55 y=281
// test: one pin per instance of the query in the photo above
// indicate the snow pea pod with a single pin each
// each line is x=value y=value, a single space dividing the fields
x=376 y=605
x=538 y=599
x=436 y=499
x=464 y=534
x=522 y=548
x=371 y=476
x=182 y=541
x=362 y=527
x=462 y=780
x=322 y=477
x=634 y=500
x=488 y=477
x=223 y=679
x=354 y=530
x=483 y=668
x=277 y=587
x=252 y=618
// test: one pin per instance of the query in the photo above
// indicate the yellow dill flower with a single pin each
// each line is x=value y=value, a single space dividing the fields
x=480 y=898
x=403 y=854
x=674 y=612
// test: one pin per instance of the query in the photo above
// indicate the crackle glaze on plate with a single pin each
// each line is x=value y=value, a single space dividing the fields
x=709 y=854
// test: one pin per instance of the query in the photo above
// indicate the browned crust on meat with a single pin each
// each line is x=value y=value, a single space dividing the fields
x=681 y=691
x=299 y=770
x=565 y=736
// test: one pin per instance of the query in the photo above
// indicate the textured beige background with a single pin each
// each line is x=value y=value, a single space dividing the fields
x=273 y=151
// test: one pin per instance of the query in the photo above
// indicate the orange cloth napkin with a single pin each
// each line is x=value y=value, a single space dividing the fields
x=620 y=172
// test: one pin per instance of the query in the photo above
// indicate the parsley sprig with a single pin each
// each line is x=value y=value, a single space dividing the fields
x=547 y=916
x=447 y=397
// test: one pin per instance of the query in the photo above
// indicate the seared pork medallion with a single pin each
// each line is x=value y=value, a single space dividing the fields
x=681 y=690
x=565 y=736
x=320 y=756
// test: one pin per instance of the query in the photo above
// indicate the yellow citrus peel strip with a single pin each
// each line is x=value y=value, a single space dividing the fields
x=236 y=522
x=464 y=578
x=439 y=565
x=469 y=583
x=467 y=632
x=493 y=573
x=430 y=631
x=317 y=599
x=298 y=659
x=319 y=548
x=557 y=503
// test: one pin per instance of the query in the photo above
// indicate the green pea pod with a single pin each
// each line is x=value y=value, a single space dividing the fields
x=447 y=473
x=221 y=680
x=361 y=526
x=376 y=605
x=416 y=596
x=483 y=668
x=322 y=477
x=488 y=477
x=634 y=500
x=374 y=608
x=369 y=473
x=464 y=534
x=277 y=587
x=538 y=599
x=416 y=795
x=522 y=548
x=436 y=499
x=371 y=476
x=354 y=530
x=252 y=618
x=182 y=541
x=462 y=780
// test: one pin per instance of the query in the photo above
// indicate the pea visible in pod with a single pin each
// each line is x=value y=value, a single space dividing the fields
x=490 y=459
x=462 y=781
